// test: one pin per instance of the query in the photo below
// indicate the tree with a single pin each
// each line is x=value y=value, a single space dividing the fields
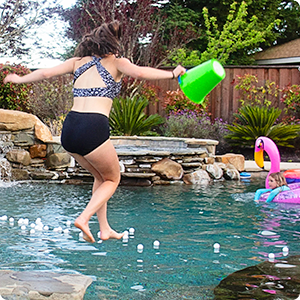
x=145 y=38
x=289 y=27
x=16 y=18
x=266 y=12
x=237 y=34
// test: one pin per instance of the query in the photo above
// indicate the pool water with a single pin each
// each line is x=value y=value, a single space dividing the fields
x=186 y=220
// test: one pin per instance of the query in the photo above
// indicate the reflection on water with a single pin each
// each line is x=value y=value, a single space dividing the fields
x=186 y=220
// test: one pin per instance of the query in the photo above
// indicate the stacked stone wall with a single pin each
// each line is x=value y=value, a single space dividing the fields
x=29 y=152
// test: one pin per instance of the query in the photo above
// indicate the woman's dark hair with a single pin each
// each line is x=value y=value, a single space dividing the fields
x=102 y=41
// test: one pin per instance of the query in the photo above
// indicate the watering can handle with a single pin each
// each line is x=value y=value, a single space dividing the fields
x=179 y=80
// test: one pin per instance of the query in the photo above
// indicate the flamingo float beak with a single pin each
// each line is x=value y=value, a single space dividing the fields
x=259 y=156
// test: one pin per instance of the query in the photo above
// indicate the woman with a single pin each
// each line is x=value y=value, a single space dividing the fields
x=98 y=72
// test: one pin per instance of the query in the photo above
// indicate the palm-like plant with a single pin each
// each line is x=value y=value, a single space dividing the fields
x=128 y=118
x=256 y=121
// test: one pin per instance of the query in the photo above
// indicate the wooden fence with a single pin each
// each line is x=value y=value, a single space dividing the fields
x=224 y=99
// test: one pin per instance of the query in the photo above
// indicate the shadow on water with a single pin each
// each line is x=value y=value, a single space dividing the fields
x=186 y=220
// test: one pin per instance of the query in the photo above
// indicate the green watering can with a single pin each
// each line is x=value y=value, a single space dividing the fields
x=197 y=82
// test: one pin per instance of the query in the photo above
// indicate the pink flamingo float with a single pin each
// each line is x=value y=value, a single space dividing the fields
x=266 y=144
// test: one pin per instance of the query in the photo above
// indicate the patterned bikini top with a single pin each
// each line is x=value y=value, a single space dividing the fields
x=112 y=88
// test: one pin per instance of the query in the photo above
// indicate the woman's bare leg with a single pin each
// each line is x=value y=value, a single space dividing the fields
x=106 y=171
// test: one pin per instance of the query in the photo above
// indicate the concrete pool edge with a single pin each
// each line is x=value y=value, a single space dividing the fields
x=251 y=166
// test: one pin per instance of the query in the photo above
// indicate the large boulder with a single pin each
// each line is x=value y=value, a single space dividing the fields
x=167 y=168
x=270 y=280
x=215 y=171
x=38 y=150
x=200 y=177
x=12 y=120
x=237 y=160
x=19 y=156
x=58 y=161
x=231 y=173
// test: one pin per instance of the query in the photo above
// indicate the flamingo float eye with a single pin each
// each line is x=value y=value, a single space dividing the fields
x=261 y=144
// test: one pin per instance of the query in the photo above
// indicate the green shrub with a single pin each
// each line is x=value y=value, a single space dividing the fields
x=14 y=96
x=189 y=124
x=252 y=94
x=255 y=121
x=127 y=117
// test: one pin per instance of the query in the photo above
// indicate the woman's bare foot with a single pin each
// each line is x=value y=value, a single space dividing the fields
x=110 y=234
x=84 y=227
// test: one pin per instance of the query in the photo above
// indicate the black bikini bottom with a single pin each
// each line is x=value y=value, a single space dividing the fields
x=84 y=132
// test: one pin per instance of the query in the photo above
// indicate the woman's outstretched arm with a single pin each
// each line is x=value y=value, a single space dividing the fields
x=127 y=68
x=64 y=68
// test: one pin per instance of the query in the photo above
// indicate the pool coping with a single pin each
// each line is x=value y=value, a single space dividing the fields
x=251 y=166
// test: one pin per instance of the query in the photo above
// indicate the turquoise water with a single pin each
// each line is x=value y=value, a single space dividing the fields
x=186 y=220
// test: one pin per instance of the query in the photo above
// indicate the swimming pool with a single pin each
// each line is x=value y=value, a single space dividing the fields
x=186 y=220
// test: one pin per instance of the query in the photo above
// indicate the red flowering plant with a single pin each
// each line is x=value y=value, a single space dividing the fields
x=14 y=96
x=176 y=101
x=133 y=87
x=291 y=100
x=150 y=92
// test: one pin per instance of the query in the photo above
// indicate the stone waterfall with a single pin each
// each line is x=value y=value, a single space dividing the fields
x=5 y=146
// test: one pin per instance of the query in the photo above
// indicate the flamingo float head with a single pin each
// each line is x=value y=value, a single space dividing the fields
x=266 y=144
x=259 y=152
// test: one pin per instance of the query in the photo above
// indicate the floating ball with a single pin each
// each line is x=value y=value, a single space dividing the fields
x=271 y=256
x=156 y=244
x=140 y=248
x=285 y=251
x=39 y=227
x=3 y=218
x=216 y=247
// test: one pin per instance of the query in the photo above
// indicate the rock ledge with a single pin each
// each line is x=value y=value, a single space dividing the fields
x=40 y=285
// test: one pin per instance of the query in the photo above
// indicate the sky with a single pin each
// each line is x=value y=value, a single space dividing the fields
x=48 y=34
